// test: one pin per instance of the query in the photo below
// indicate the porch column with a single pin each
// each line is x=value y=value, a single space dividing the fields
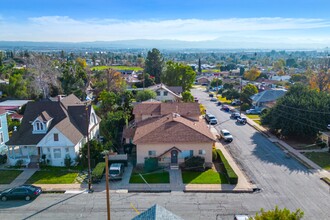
x=13 y=152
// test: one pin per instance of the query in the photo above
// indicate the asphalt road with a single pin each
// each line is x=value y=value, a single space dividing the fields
x=283 y=182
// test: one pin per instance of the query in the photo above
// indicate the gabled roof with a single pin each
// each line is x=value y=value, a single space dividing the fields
x=69 y=117
x=268 y=95
x=172 y=128
x=157 y=212
x=164 y=87
x=161 y=108
x=44 y=117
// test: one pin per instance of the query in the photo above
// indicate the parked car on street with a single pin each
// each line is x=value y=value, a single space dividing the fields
x=236 y=102
x=253 y=112
x=235 y=115
x=211 y=119
x=241 y=120
x=213 y=99
x=211 y=94
x=225 y=108
x=26 y=192
x=219 y=103
x=116 y=171
x=225 y=134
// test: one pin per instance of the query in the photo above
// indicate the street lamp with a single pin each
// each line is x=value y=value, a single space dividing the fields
x=88 y=151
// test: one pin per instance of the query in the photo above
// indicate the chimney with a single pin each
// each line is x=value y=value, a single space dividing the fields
x=59 y=98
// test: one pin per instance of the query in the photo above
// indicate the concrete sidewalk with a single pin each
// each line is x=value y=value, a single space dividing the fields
x=291 y=151
x=20 y=179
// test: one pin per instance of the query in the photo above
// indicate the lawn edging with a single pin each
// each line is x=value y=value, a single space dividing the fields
x=232 y=176
x=326 y=180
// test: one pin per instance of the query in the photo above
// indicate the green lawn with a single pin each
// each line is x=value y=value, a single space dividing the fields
x=211 y=70
x=53 y=177
x=223 y=100
x=7 y=176
x=206 y=177
x=320 y=158
x=156 y=177
x=135 y=68
x=253 y=117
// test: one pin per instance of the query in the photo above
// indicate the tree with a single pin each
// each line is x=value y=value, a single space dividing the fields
x=154 y=64
x=178 y=74
x=279 y=65
x=96 y=148
x=216 y=82
x=199 y=66
x=291 y=62
x=320 y=80
x=247 y=92
x=301 y=112
x=252 y=74
x=145 y=95
x=187 y=97
x=279 y=214
x=231 y=94
x=148 y=81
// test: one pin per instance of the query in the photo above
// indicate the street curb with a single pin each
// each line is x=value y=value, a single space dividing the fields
x=149 y=191
x=261 y=131
x=218 y=191
x=53 y=191
x=293 y=155
x=326 y=180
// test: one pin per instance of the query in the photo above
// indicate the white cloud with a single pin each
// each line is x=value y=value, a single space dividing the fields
x=63 y=28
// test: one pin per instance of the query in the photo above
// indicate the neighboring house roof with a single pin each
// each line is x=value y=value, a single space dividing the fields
x=157 y=212
x=69 y=117
x=171 y=127
x=161 y=108
x=268 y=95
x=2 y=111
x=162 y=86
x=13 y=104
x=176 y=89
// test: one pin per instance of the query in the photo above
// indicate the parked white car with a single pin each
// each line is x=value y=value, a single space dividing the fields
x=225 y=134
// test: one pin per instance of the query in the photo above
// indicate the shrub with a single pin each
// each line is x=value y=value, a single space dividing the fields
x=322 y=144
x=98 y=172
x=245 y=106
x=67 y=161
x=232 y=177
x=195 y=163
x=150 y=164
x=214 y=155
x=19 y=163
x=3 y=159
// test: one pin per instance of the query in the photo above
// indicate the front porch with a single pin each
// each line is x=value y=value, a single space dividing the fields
x=22 y=155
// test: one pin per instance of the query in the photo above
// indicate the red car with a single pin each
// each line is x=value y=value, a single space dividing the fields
x=225 y=108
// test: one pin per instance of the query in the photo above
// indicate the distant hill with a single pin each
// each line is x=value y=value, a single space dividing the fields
x=221 y=43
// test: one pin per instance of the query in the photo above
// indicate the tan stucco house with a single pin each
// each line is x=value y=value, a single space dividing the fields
x=170 y=132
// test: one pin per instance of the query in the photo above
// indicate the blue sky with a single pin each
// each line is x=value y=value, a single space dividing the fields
x=286 y=21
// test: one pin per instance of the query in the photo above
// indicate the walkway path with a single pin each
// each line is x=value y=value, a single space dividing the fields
x=176 y=180
x=20 y=179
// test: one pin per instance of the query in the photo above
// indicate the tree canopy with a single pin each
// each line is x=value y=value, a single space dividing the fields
x=178 y=74
x=247 y=92
x=279 y=214
x=187 y=97
x=252 y=74
x=154 y=64
x=301 y=112
x=145 y=95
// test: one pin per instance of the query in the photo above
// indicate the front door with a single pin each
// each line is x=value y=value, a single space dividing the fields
x=174 y=156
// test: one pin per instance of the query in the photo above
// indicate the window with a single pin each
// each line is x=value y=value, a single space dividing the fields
x=55 y=137
x=165 y=93
x=152 y=153
x=67 y=152
x=57 y=153
x=39 y=126
x=201 y=152
x=0 y=123
x=158 y=93
x=1 y=138
x=187 y=153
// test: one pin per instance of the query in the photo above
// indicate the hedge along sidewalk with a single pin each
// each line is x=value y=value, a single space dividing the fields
x=243 y=182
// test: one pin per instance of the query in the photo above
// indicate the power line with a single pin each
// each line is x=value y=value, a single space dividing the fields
x=305 y=110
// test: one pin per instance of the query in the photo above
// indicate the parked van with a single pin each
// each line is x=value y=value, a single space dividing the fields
x=116 y=171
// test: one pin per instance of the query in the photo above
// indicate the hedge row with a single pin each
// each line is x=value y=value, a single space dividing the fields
x=98 y=172
x=233 y=178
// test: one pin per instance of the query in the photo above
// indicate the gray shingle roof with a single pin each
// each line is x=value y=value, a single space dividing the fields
x=157 y=212
x=69 y=117
x=268 y=95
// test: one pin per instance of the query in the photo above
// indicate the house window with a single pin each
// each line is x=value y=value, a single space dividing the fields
x=165 y=93
x=39 y=126
x=55 y=137
x=201 y=152
x=67 y=152
x=158 y=93
x=187 y=153
x=1 y=138
x=152 y=153
x=57 y=153
x=0 y=123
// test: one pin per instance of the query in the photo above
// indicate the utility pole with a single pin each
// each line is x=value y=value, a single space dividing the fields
x=107 y=184
x=88 y=152
x=240 y=98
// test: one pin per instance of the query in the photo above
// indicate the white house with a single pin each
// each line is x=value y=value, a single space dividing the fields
x=55 y=129
x=166 y=93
